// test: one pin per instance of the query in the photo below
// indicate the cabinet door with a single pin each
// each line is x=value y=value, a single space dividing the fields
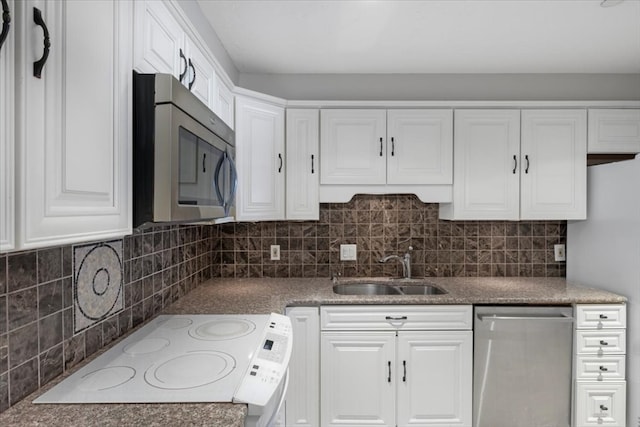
x=419 y=147
x=303 y=396
x=260 y=160
x=554 y=164
x=358 y=378
x=353 y=147
x=434 y=372
x=614 y=131
x=302 y=164
x=201 y=76
x=486 y=172
x=224 y=103
x=601 y=404
x=158 y=40
x=7 y=192
x=74 y=166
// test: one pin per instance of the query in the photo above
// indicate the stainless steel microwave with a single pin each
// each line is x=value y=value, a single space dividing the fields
x=183 y=155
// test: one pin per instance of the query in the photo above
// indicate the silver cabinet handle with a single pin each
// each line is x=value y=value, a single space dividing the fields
x=603 y=369
x=603 y=408
x=602 y=316
x=526 y=157
x=515 y=163
x=396 y=318
x=404 y=367
x=491 y=317
x=602 y=342
x=393 y=146
x=312 y=169
x=280 y=167
x=380 y=146
x=389 y=377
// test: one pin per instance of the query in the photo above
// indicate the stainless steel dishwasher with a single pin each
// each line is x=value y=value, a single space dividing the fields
x=522 y=366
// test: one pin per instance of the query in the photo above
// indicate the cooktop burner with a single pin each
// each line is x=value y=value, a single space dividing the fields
x=194 y=358
x=223 y=329
x=190 y=370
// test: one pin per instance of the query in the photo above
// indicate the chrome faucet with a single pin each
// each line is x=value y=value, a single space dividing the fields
x=405 y=260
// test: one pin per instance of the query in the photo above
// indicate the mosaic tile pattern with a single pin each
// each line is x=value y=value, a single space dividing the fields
x=38 y=339
x=98 y=282
x=384 y=225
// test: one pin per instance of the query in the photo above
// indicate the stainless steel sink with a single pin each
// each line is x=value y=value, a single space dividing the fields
x=365 y=289
x=420 y=290
x=392 y=288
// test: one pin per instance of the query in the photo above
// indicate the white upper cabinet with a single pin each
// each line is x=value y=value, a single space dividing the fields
x=201 y=78
x=74 y=162
x=419 y=146
x=260 y=160
x=159 y=40
x=353 y=147
x=224 y=103
x=302 y=136
x=508 y=170
x=377 y=147
x=614 y=131
x=7 y=146
x=553 y=169
x=164 y=44
x=486 y=174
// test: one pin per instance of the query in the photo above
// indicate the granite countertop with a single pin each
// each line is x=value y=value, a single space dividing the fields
x=262 y=296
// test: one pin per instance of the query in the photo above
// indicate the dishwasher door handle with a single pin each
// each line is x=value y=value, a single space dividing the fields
x=562 y=318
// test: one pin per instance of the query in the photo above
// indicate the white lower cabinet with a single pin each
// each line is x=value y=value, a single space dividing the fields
x=395 y=376
x=302 y=407
x=600 y=342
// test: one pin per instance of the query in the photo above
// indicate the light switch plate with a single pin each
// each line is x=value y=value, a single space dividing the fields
x=559 y=252
x=348 y=252
x=275 y=252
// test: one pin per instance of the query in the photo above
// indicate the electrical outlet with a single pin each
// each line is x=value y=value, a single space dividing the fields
x=275 y=252
x=559 y=252
x=348 y=252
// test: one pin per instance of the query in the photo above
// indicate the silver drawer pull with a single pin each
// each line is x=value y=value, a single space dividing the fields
x=396 y=318
x=602 y=342
x=603 y=408
x=602 y=316
x=603 y=369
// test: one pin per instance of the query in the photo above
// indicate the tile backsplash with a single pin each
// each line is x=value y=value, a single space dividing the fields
x=161 y=264
x=385 y=225
x=37 y=340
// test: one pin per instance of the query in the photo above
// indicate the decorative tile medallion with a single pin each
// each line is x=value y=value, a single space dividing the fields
x=98 y=285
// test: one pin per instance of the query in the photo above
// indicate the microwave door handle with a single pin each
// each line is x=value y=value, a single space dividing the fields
x=234 y=184
x=216 y=179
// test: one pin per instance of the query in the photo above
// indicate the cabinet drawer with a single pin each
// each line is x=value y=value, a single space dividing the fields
x=601 y=342
x=603 y=368
x=396 y=317
x=601 y=316
x=600 y=404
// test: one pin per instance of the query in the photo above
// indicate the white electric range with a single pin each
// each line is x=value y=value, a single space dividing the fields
x=189 y=358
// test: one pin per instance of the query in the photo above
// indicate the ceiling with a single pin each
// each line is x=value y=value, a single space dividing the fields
x=428 y=36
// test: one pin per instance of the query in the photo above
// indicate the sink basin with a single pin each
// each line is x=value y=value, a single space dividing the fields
x=364 y=288
x=420 y=290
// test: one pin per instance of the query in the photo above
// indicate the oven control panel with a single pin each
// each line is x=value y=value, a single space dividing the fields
x=269 y=363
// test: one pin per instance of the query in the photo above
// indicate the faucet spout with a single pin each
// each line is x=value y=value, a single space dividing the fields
x=405 y=260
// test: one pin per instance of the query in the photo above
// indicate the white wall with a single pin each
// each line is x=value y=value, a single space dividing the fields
x=485 y=87
x=604 y=252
